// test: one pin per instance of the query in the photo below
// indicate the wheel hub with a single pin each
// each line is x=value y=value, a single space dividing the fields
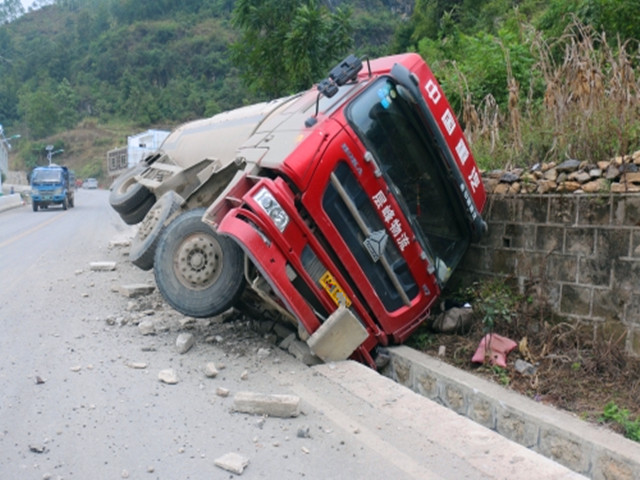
x=198 y=261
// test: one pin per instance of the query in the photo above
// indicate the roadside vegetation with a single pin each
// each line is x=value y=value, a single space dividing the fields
x=532 y=81
x=567 y=364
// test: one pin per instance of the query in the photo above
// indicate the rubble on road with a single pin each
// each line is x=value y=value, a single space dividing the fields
x=210 y=370
x=185 y=342
x=222 y=392
x=272 y=405
x=138 y=365
x=136 y=290
x=102 y=266
x=168 y=376
x=146 y=327
x=232 y=462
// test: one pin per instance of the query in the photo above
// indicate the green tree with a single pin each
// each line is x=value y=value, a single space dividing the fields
x=612 y=17
x=38 y=110
x=66 y=102
x=285 y=45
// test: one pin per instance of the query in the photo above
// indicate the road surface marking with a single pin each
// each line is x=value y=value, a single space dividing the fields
x=30 y=231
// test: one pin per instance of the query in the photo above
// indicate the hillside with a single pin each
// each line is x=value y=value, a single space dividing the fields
x=84 y=74
x=511 y=69
x=86 y=147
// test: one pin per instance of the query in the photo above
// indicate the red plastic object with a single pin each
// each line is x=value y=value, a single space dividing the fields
x=495 y=348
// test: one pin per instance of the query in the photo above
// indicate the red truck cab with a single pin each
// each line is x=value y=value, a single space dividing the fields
x=355 y=202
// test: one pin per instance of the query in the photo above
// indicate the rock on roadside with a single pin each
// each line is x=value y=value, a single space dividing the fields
x=168 y=376
x=232 y=462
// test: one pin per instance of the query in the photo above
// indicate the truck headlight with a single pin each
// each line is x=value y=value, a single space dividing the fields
x=271 y=206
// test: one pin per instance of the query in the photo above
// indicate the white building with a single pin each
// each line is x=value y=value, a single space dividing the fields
x=138 y=147
x=5 y=146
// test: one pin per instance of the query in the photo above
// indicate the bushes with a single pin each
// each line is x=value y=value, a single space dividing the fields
x=528 y=94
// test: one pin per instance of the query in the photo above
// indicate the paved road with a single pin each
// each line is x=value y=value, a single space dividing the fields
x=72 y=405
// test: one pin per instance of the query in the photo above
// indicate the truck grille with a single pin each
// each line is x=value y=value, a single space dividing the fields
x=354 y=216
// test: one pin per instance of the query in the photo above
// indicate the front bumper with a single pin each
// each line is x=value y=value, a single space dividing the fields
x=309 y=296
x=42 y=198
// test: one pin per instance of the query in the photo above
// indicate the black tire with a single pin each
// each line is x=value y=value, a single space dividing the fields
x=126 y=194
x=198 y=272
x=65 y=203
x=136 y=216
x=35 y=206
x=143 y=246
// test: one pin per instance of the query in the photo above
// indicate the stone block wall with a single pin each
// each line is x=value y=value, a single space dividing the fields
x=582 y=250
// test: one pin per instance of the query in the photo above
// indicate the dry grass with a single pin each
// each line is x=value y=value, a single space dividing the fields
x=574 y=371
x=590 y=108
x=579 y=367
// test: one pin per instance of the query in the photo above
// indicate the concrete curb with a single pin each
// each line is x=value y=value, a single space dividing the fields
x=10 y=201
x=423 y=439
x=594 y=452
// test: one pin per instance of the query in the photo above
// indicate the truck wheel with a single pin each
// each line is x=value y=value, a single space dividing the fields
x=198 y=272
x=137 y=215
x=35 y=206
x=144 y=243
x=126 y=194
x=65 y=203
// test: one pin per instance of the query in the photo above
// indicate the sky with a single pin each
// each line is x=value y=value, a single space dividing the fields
x=26 y=4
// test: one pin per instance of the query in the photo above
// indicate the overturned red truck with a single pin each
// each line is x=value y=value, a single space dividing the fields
x=346 y=206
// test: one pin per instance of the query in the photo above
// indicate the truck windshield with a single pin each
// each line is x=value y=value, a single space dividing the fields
x=386 y=119
x=46 y=176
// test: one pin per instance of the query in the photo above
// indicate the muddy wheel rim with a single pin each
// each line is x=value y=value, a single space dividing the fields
x=198 y=261
x=148 y=223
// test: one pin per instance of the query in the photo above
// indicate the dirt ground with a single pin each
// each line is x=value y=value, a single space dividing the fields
x=572 y=370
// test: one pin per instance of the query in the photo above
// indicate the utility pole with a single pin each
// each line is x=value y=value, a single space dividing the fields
x=51 y=153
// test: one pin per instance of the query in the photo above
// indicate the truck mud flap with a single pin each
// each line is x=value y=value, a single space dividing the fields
x=338 y=337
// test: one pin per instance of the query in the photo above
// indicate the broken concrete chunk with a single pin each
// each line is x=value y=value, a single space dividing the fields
x=146 y=327
x=210 y=370
x=286 y=343
x=168 y=376
x=338 y=336
x=137 y=365
x=232 y=462
x=303 y=353
x=274 y=405
x=222 y=392
x=37 y=448
x=184 y=342
x=136 y=290
x=102 y=266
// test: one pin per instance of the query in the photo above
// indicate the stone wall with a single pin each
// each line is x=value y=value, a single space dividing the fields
x=580 y=251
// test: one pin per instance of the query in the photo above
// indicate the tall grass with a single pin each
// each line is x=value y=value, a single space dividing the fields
x=589 y=108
